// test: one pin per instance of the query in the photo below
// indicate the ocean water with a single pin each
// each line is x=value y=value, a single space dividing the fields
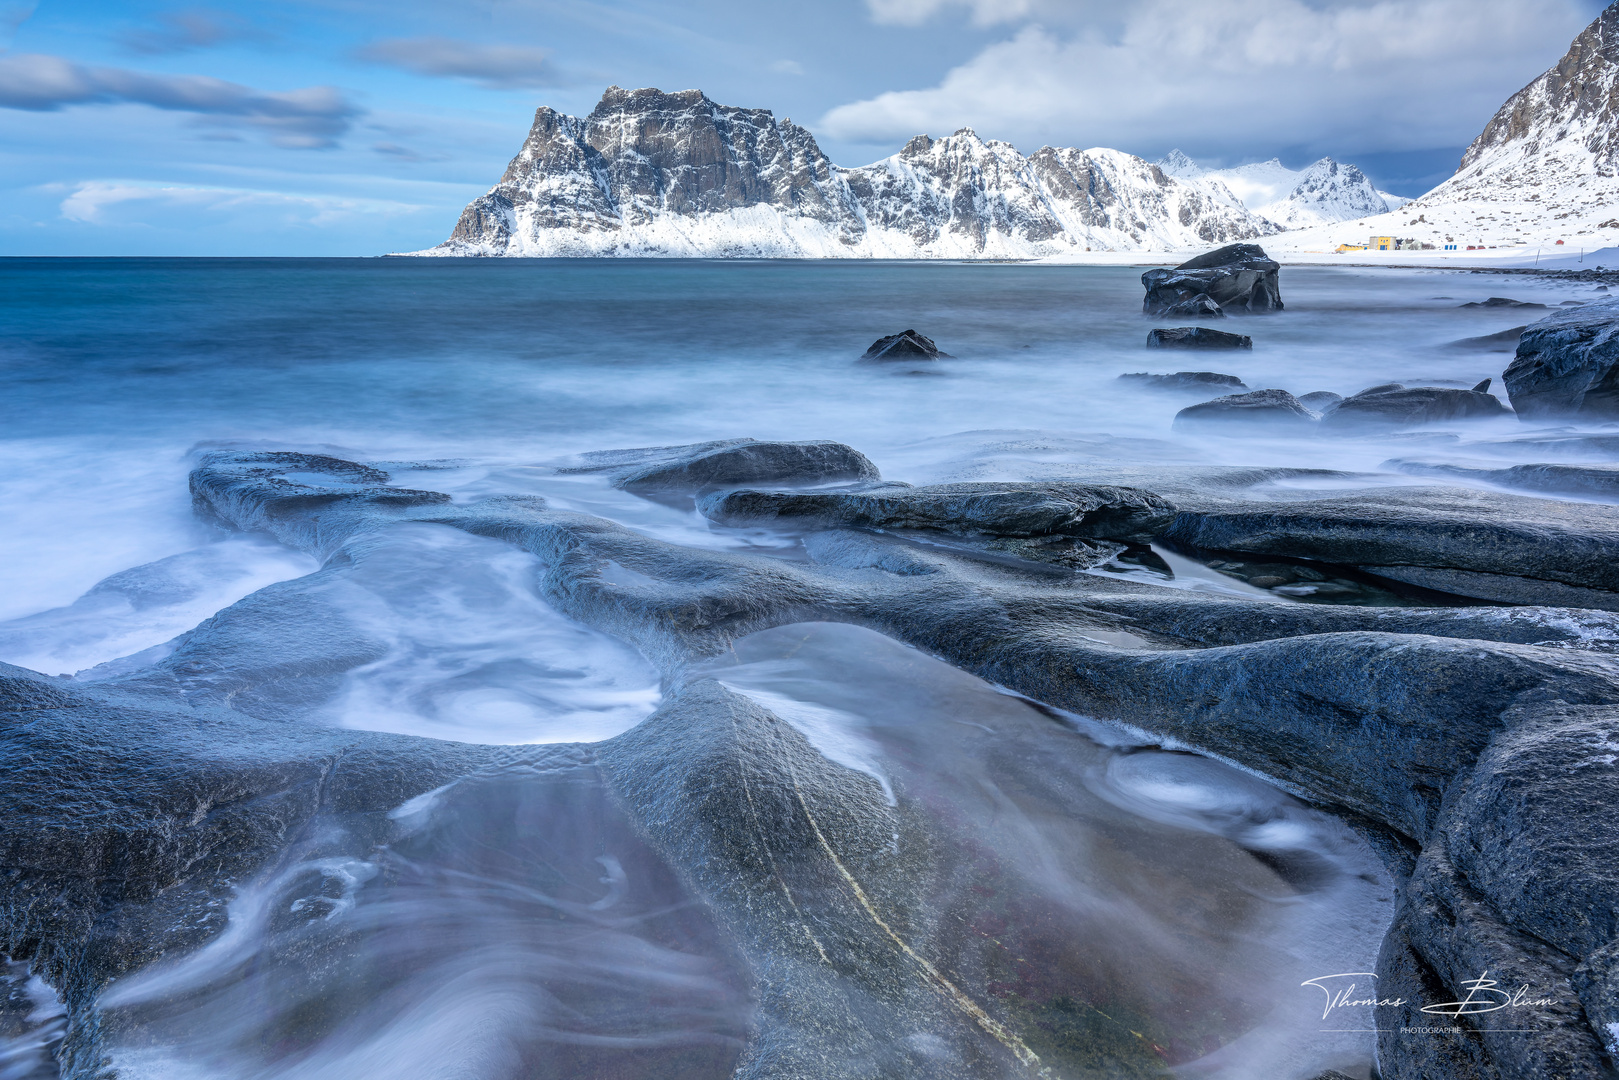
x=491 y=374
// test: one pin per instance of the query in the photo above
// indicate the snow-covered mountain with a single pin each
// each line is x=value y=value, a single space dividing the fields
x=1324 y=192
x=650 y=173
x=1544 y=169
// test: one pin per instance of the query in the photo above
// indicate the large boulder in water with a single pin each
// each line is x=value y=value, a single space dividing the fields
x=1238 y=278
x=1568 y=365
x=1274 y=409
x=1196 y=337
x=1396 y=405
x=905 y=345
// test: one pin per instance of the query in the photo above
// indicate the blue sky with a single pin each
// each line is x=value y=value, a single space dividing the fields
x=356 y=127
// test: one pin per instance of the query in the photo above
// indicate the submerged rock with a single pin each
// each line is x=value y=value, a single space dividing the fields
x=1568 y=365
x=1396 y=405
x=1197 y=337
x=1238 y=278
x=1273 y=409
x=1503 y=341
x=905 y=345
x=730 y=462
x=1598 y=480
x=1502 y=302
x=1319 y=400
x=1195 y=381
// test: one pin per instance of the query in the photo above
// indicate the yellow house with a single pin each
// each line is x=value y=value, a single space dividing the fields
x=1382 y=243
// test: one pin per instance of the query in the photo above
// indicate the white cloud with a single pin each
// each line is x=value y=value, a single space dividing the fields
x=120 y=202
x=787 y=67
x=309 y=118
x=495 y=66
x=1226 y=77
x=916 y=12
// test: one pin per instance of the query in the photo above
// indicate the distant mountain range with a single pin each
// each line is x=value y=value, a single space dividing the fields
x=650 y=173
x=1324 y=192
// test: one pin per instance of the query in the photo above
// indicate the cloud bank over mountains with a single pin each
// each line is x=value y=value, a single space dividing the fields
x=1221 y=78
x=423 y=97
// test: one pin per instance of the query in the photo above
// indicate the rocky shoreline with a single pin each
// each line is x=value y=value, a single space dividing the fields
x=1470 y=744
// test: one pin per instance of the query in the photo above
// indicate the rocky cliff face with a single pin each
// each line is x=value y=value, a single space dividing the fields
x=1545 y=168
x=650 y=173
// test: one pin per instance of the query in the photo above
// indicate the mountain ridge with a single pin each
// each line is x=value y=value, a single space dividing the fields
x=655 y=173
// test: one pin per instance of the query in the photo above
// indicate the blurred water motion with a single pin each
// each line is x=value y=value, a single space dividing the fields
x=516 y=927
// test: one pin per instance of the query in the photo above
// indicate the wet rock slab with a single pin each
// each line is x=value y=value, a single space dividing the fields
x=730 y=462
x=1273 y=410
x=1599 y=481
x=1396 y=405
x=1196 y=337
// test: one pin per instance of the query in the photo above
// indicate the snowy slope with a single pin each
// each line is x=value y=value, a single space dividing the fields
x=1326 y=191
x=1545 y=168
x=649 y=173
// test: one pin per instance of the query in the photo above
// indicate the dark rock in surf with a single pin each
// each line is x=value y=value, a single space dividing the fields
x=1192 y=381
x=1269 y=409
x=905 y=345
x=1568 y=365
x=1502 y=302
x=1197 y=337
x=1504 y=341
x=1319 y=400
x=1396 y=405
x=1237 y=279
x=729 y=463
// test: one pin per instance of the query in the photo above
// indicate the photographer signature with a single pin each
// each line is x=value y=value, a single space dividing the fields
x=1484 y=995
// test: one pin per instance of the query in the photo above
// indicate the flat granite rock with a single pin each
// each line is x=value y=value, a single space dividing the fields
x=1017 y=510
x=1275 y=410
x=1507 y=548
x=729 y=462
x=1196 y=337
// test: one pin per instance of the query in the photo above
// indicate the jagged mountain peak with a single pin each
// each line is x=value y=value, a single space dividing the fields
x=1175 y=163
x=655 y=173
